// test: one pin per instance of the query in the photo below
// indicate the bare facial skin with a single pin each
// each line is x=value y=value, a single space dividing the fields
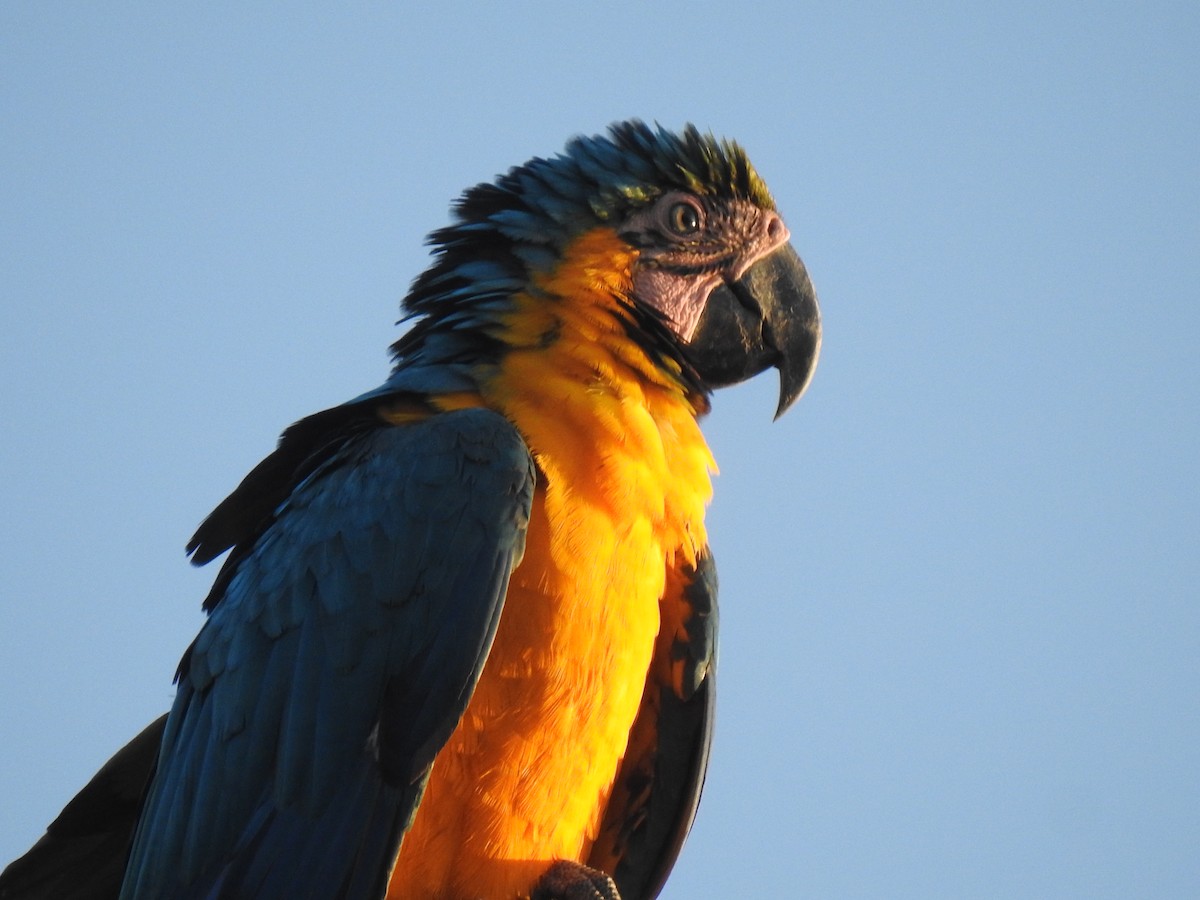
x=689 y=244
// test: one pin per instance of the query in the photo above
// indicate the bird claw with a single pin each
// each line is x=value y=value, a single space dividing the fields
x=566 y=880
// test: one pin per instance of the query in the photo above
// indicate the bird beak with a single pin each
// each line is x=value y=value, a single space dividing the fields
x=768 y=317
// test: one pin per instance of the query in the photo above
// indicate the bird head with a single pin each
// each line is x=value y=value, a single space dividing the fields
x=713 y=282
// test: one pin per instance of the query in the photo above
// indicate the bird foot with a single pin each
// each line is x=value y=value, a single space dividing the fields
x=566 y=880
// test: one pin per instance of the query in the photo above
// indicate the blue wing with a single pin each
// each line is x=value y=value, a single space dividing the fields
x=343 y=645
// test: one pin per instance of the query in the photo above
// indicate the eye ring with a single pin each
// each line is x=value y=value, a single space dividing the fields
x=684 y=218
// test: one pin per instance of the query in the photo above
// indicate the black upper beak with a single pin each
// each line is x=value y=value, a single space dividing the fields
x=768 y=317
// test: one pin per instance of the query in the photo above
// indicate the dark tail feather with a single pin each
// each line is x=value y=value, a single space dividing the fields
x=83 y=853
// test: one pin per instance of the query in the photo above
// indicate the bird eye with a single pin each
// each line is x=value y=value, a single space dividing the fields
x=683 y=218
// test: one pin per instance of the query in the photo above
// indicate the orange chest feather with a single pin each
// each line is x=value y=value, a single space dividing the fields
x=523 y=779
x=623 y=481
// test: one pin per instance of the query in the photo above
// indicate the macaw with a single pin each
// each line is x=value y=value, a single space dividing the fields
x=463 y=644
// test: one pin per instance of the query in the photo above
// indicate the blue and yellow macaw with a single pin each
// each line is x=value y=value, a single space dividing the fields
x=463 y=642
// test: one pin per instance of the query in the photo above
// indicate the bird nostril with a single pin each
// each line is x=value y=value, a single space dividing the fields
x=776 y=230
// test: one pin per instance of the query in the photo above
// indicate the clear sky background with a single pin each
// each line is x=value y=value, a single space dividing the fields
x=960 y=630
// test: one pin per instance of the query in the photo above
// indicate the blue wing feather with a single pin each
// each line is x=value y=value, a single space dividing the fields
x=338 y=659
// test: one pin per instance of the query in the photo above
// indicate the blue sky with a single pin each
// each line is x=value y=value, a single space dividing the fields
x=960 y=631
